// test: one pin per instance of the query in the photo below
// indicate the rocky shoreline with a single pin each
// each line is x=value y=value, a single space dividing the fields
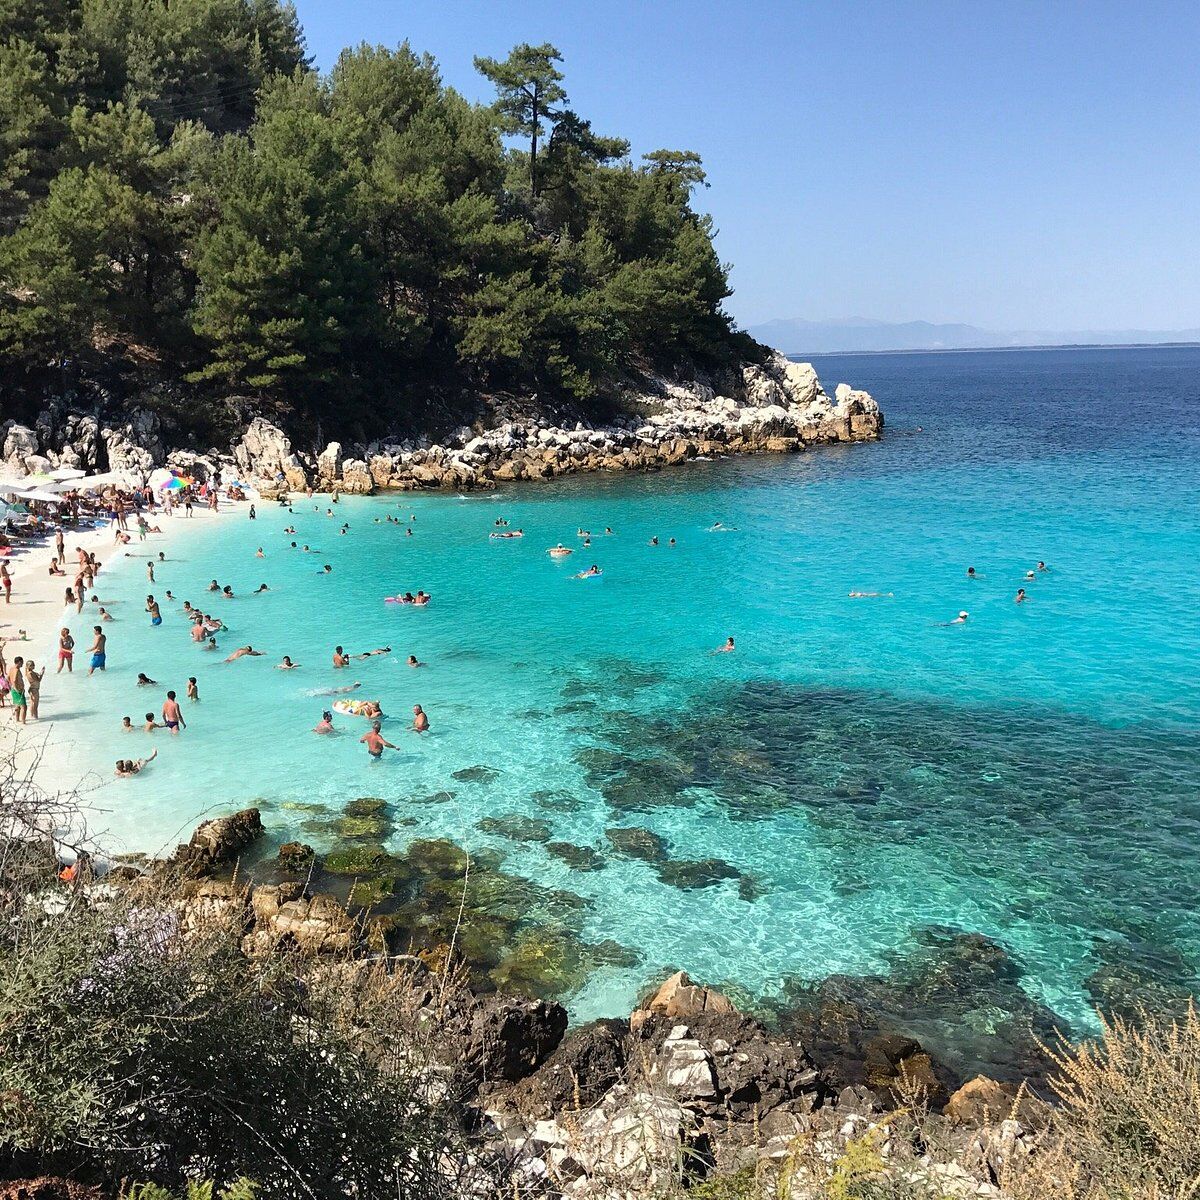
x=776 y=406
x=684 y=1087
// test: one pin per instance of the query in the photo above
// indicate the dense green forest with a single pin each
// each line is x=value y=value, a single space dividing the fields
x=183 y=195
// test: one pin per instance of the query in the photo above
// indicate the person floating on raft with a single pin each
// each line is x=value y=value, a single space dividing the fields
x=593 y=572
x=359 y=708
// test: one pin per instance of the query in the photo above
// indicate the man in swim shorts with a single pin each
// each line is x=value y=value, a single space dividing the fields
x=172 y=715
x=376 y=741
x=420 y=720
x=16 y=690
x=99 y=650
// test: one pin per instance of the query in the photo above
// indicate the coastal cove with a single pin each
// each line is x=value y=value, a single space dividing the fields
x=851 y=788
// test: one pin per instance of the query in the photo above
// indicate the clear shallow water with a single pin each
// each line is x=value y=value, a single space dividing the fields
x=1033 y=776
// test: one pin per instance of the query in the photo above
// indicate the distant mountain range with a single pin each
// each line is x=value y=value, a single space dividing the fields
x=860 y=335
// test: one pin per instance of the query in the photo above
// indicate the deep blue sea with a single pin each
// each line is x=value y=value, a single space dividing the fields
x=857 y=783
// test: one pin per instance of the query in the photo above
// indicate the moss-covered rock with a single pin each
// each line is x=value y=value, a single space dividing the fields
x=477 y=774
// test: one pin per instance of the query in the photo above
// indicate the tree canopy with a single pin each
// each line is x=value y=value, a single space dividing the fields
x=179 y=188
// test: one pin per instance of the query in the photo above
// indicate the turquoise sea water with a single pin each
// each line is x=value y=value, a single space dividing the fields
x=867 y=772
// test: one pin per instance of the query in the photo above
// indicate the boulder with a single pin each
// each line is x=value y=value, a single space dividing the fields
x=209 y=903
x=285 y=919
x=583 y=1068
x=329 y=463
x=679 y=997
x=264 y=452
x=985 y=1101
x=221 y=839
x=509 y=1037
x=356 y=478
x=20 y=443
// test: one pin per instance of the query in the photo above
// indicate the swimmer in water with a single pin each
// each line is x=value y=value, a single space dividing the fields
x=325 y=570
x=1042 y=566
x=339 y=691
x=654 y=540
x=971 y=573
x=340 y=657
x=193 y=691
x=1030 y=575
x=262 y=587
x=151 y=724
x=717 y=527
x=422 y=597
x=559 y=551
x=590 y=573
x=412 y=661
x=128 y=767
x=728 y=648
x=259 y=553
x=373 y=653
x=1020 y=597
x=868 y=595
x=245 y=652
x=144 y=680
x=287 y=664
x=961 y=619
x=375 y=741
x=127 y=725
x=420 y=723
x=670 y=541
x=325 y=724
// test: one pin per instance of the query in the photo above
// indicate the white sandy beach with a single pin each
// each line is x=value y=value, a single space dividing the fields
x=38 y=610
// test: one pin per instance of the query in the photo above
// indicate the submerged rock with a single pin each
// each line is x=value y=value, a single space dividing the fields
x=516 y=828
x=477 y=774
x=635 y=842
x=688 y=875
x=556 y=800
x=295 y=856
x=579 y=858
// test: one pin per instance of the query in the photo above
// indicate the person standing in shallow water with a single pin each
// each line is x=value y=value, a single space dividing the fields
x=66 y=651
x=375 y=741
x=99 y=650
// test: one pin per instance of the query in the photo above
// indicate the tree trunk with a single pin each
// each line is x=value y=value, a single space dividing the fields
x=533 y=149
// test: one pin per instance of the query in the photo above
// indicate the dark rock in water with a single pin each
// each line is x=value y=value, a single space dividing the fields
x=687 y=875
x=574 y=706
x=361 y=828
x=220 y=839
x=556 y=800
x=508 y=1037
x=588 y=1062
x=573 y=689
x=635 y=842
x=1136 y=974
x=897 y=1069
x=365 y=806
x=958 y=993
x=359 y=860
x=750 y=888
x=552 y=960
x=476 y=774
x=295 y=856
x=434 y=798
x=516 y=828
x=579 y=858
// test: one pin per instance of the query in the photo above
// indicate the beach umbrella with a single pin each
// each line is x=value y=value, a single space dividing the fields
x=62 y=474
x=173 y=484
x=39 y=495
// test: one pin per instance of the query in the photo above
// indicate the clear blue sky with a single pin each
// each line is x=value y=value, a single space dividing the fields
x=1014 y=165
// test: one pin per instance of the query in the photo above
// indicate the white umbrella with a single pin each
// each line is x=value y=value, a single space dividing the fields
x=63 y=473
x=107 y=479
x=38 y=494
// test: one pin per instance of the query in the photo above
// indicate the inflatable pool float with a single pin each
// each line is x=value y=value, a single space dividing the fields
x=356 y=708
